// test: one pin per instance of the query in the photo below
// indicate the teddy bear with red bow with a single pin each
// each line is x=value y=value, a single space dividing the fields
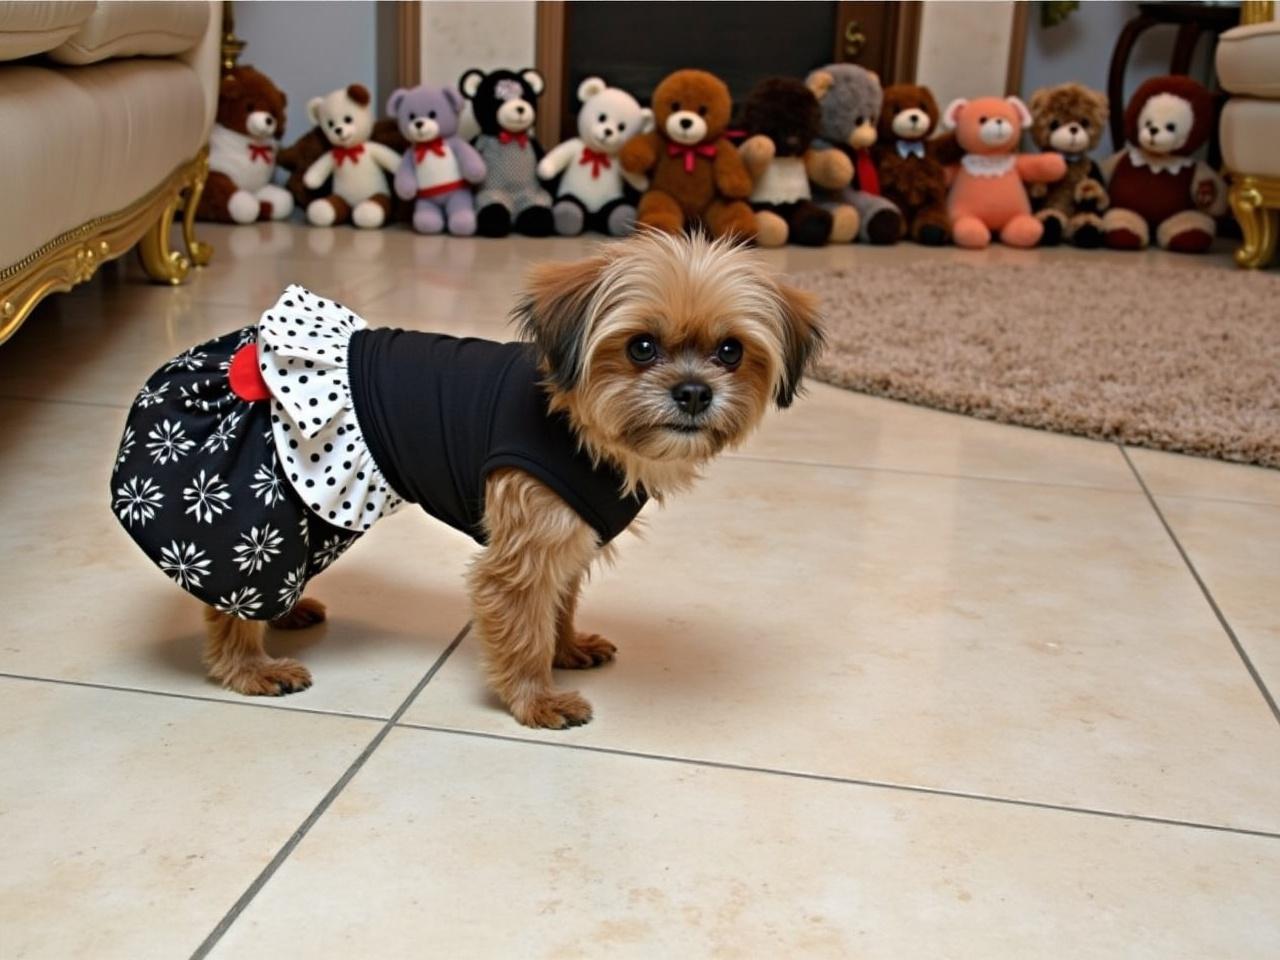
x=357 y=164
x=592 y=193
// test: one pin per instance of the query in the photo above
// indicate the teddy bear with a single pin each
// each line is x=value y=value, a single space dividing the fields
x=912 y=171
x=851 y=100
x=782 y=117
x=357 y=164
x=504 y=104
x=1069 y=119
x=1156 y=184
x=696 y=174
x=242 y=152
x=592 y=190
x=298 y=157
x=988 y=196
x=437 y=168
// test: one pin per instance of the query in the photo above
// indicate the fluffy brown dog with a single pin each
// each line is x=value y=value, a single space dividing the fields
x=656 y=354
x=695 y=172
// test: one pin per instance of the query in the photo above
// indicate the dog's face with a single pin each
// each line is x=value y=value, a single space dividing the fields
x=665 y=350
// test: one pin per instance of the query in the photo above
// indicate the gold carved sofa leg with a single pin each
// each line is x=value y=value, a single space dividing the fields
x=162 y=263
x=1255 y=201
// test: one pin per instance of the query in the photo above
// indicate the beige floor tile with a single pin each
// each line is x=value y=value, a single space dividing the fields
x=131 y=823
x=1013 y=639
x=1236 y=550
x=1172 y=474
x=83 y=603
x=481 y=848
x=834 y=426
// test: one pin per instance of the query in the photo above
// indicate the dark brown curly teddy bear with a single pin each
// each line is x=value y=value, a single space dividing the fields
x=1070 y=119
x=695 y=172
x=783 y=117
x=912 y=167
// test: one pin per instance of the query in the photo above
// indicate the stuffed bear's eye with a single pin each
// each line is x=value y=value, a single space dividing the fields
x=346 y=120
x=602 y=118
x=1084 y=123
x=729 y=353
x=642 y=350
x=702 y=111
x=1171 y=127
x=982 y=120
x=431 y=114
x=330 y=124
x=250 y=108
x=621 y=127
x=1054 y=124
x=675 y=106
x=412 y=117
x=859 y=121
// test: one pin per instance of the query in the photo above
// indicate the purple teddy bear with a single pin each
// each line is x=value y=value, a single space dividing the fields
x=439 y=166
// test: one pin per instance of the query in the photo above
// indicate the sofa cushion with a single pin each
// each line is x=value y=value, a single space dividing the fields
x=128 y=29
x=122 y=127
x=30 y=28
x=1249 y=134
x=1248 y=59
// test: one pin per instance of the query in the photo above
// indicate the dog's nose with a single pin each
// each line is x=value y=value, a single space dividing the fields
x=686 y=123
x=692 y=396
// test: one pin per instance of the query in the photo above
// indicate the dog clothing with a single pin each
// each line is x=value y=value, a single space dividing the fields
x=250 y=463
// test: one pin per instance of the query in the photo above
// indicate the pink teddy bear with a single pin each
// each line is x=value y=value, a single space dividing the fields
x=987 y=193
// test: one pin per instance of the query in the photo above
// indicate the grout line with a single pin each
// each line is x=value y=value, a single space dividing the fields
x=259 y=703
x=1204 y=589
x=851 y=781
x=325 y=802
x=900 y=471
x=65 y=402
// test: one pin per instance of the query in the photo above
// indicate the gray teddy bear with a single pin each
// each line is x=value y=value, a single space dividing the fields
x=851 y=98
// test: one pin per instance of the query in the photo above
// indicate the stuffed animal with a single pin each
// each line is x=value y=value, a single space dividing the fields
x=357 y=165
x=851 y=101
x=592 y=191
x=912 y=174
x=1156 y=184
x=782 y=115
x=298 y=157
x=696 y=174
x=242 y=152
x=987 y=195
x=1069 y=119
x=438 y=166
x=504 y=104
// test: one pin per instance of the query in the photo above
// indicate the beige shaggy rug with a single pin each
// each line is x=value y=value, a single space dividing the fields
x=1175 y=358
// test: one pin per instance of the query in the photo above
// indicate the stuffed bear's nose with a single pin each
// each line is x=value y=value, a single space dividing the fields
x=1074 y=128
x=519 y=108
x=686 y=123
x=608 y=132
x=692 y=396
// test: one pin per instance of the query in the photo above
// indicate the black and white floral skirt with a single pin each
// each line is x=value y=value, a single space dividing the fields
x=198 y=485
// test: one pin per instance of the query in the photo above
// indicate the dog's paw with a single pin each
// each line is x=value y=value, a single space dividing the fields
x=307 y=612
x=269 y=678
x=554 y=710
x=586 y=650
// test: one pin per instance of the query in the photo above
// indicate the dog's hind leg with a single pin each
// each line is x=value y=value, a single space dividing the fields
x=237 y=658
x=574 y=650
x=307 y=612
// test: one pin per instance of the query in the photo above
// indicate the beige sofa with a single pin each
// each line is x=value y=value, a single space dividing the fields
x=1248 y=63
x=106 y=109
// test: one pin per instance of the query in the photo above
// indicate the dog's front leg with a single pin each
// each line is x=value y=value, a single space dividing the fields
x=574 y=650
x=538 y=549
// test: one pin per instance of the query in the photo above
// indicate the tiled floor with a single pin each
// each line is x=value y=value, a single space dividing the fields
x=892 y=683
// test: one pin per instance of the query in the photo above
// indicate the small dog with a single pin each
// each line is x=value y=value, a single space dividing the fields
x=651 y=356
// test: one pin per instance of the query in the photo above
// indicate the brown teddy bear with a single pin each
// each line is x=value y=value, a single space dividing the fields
x=695 y=173
x=1069 y=119
x=242 y=152
x=1159 y=191
x=912 y=167
x=783 y=117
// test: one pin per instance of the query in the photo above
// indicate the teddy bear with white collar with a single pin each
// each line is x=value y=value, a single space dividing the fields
x=358 y=165
x=592 y=190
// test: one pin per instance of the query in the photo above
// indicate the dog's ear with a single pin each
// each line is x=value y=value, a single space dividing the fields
x=555 y=312
x=801 y=339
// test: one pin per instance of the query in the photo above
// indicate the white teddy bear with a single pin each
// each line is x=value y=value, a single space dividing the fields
x=357 y=164
x=591 y=192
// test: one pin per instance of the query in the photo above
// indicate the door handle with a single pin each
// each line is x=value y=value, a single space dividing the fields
x=854 y=39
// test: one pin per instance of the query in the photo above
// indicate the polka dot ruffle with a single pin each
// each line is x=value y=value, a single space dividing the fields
x=303 y=356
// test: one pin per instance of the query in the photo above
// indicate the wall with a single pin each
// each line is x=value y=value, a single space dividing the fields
x=964 y=48
x=309 y=48
x=457 y=36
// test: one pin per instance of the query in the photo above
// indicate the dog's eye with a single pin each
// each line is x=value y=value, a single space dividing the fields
x=347 y=119
x=729 y=353
x=642 y=350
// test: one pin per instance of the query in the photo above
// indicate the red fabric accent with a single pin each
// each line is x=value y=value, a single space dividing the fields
x=707 y=150
x=520 y=138
x=868 y=179
x=441 y=188
x=420 y=150
x=347 y=153
x=260 y=152
x=245 y=376
x=596 y=159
